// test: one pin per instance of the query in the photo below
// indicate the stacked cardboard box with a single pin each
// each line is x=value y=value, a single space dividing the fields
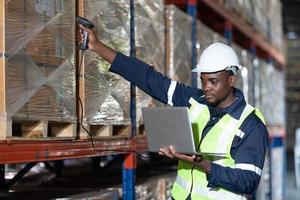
x=179 y=45
x=264 y=16
x=292 y=90
x=38 y=72
x=106 y=96
x=245 y=78
x=272 y=94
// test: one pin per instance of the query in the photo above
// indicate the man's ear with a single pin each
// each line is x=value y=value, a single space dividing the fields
x=232 y=80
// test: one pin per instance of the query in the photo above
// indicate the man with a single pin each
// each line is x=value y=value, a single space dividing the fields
x=225 y=123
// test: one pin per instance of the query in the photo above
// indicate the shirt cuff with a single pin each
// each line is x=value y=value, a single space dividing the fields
x=212 y=177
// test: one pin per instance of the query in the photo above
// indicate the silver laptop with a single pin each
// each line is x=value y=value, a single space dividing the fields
x=170 y=126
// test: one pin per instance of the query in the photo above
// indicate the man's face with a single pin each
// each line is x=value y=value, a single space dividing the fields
x=217 y=87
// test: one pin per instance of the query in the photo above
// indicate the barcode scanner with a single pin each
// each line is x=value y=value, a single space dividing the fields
x=86 y=23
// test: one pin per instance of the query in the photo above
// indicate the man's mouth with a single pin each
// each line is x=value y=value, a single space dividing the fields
x=209 y=96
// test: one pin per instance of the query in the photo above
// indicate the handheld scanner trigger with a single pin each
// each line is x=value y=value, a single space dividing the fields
x=86 y=23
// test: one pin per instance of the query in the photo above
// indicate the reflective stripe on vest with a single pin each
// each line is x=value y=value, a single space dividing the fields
x=217 y=140
x=221 y=135
x=208 y=193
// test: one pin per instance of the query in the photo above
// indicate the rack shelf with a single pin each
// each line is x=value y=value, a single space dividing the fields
x=217 y=17
x=23 y=151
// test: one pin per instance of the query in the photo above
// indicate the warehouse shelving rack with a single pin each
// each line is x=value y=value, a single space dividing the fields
x=212 y=14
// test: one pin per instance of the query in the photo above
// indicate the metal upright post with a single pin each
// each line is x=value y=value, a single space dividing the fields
x=129 y=164
x=228 y=32
x=128 y=174
x=20 y=174
x=2 y=176
x=192 y=11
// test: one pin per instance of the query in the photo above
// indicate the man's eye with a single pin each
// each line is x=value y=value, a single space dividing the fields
x=214 y=81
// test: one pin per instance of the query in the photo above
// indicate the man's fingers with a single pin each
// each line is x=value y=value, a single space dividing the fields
x=80 y=36
x=165 y=152
x=172 y=151
x=197 y=158
x=85 y=29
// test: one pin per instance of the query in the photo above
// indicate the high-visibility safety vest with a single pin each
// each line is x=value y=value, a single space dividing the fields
x=192 y=179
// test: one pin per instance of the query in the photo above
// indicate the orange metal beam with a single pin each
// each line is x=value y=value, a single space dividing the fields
x=176 y=2
x=22 y=151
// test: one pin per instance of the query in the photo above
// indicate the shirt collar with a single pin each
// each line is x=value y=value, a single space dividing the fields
x=235 y=110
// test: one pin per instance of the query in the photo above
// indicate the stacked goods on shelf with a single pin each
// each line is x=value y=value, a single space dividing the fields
x=256 y=83
x=274 y=16
x=245 y=79
x=292 y=90
x=264 y=16
x=252 y=12
x=150 y=42
x=38 y=74
x=273 y=108
x=272 y=94
x=205 y=37
x=260 y=23
x=158 y=187
x=149 y=33
x=178 y=45
x=106 y=96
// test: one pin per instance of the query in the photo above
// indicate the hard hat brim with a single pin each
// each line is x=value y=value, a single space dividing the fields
x=198 y=69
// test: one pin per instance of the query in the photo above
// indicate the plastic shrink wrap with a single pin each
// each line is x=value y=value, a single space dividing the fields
x=107 y=95
x=38 y=72
x=292 y=98
x=272 y=94
x=245 y=80
x=263 y=15
x=179 y=45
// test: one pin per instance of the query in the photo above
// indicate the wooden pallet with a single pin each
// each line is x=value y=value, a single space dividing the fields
x=112 y=131
x=31 y=130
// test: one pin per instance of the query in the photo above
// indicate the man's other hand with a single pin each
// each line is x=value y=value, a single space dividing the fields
x=170 y=152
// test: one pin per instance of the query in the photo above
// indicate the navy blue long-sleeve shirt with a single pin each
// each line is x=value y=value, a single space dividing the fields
x=249 y=145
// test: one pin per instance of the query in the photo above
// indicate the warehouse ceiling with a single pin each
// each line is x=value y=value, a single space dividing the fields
x=291 y=18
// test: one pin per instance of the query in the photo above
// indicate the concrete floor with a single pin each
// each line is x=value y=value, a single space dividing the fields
x=81 y=180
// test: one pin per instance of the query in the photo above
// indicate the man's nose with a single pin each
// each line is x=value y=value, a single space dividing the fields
x=207 y=87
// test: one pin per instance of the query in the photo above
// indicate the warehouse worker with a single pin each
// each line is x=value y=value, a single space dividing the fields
x=226 y=123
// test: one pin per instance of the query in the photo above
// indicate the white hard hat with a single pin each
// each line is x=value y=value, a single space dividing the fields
x=218 y=57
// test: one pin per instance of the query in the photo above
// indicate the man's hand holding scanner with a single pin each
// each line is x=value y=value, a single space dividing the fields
x=92 y=40
x=196 y=160
x=94 y=44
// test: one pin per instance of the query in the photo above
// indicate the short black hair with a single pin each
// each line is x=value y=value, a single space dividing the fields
x=230 y=72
